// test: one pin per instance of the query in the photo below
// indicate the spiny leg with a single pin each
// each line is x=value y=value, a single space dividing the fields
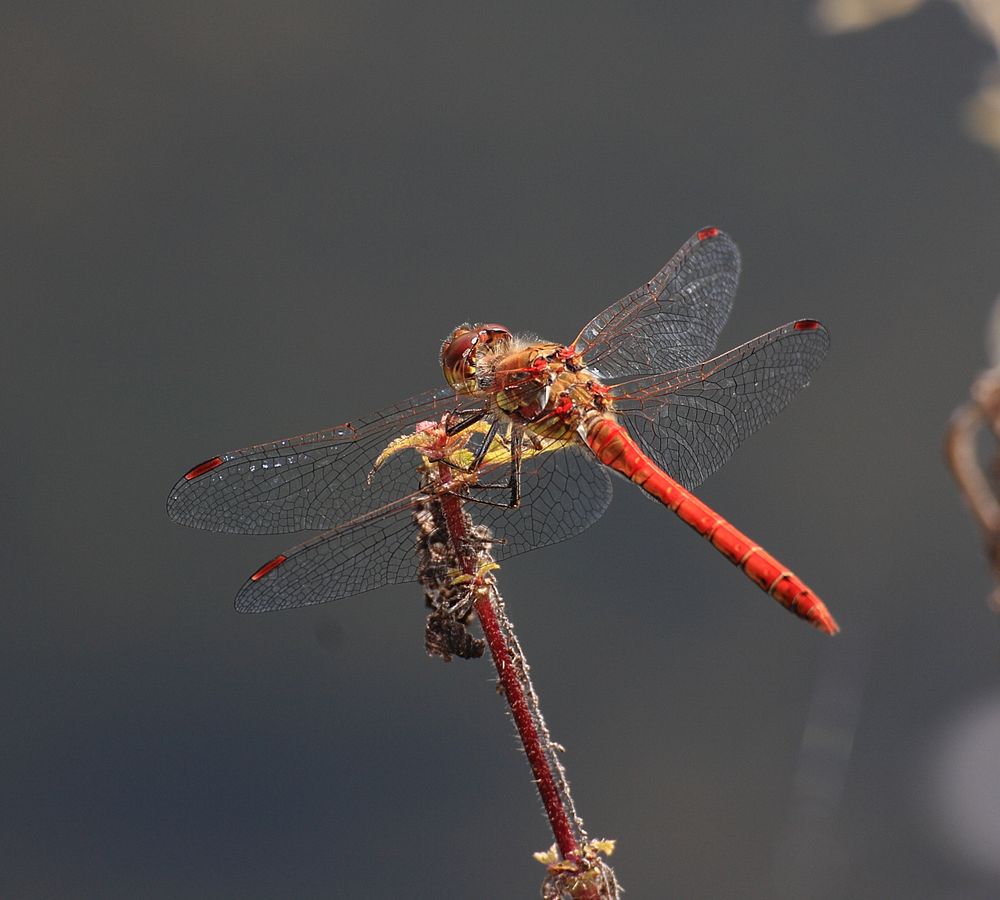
x=469 y=417
x=513 y=483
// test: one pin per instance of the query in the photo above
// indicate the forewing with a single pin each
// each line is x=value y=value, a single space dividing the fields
x=313 y=481
x=692 y=420
x=672 y=321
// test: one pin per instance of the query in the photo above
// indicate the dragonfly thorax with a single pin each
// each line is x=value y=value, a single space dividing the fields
x=542 y=387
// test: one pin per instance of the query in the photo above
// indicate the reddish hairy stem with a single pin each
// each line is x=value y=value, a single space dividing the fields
x=551 y=799
x=513 y=690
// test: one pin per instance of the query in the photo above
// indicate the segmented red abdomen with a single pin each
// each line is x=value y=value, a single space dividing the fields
x=615 y=448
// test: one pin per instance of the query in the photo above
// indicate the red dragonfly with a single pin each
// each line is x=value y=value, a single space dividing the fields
x=636 y=392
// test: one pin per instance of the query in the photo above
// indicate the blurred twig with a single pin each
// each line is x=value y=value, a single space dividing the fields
x=977 y=486
x=981 y=112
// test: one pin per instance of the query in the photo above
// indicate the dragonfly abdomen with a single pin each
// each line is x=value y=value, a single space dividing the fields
x=614 y=447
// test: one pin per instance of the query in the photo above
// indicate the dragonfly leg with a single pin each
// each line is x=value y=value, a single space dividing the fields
x=513 y=483
x=516 y=448
x=483 y=448
x=467 y=418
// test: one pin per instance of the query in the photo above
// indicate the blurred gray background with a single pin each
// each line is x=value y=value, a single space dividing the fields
x=228 y=222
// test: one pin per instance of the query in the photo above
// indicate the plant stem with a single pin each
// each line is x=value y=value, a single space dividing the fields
x=588 y=877
x=507 y=670
x=458 y=532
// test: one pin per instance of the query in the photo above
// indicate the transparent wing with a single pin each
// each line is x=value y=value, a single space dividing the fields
x=313 y=481
x=353 y=558
x=673 y=320
x=563 y=493
x=692 y=420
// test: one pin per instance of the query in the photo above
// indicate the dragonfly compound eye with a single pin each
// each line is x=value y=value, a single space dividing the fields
x=459 y=353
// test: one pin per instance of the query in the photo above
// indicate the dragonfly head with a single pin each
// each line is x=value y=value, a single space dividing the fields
x=460 y=352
